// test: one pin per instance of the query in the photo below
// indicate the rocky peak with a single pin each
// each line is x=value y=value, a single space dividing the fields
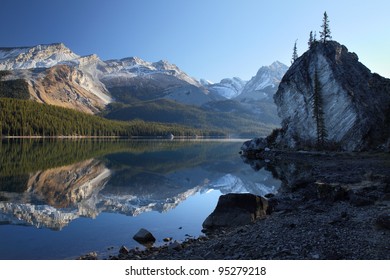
x=355 y=102
x=279 y=68
x=228 y=88
x=265 y=83
x=164 y=65
x=40 y=56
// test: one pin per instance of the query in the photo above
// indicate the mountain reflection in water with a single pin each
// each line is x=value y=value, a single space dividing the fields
x=49 y=184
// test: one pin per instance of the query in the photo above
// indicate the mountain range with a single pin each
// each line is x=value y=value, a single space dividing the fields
x=131 y=88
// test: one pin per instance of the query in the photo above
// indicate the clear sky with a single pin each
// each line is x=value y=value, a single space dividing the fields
x=211 y=39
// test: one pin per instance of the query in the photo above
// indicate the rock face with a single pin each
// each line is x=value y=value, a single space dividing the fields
x=236 y=210
x=356 y=102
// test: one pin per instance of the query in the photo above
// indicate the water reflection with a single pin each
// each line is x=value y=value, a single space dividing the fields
x=50 y=184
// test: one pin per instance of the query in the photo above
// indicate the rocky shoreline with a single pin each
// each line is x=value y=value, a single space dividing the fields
x=331 y=206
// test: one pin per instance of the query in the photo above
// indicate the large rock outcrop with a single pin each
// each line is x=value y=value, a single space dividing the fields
x=237 y=209
x=356 y=102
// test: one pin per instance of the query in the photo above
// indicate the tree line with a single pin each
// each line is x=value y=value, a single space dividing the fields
x=324 y=37
x=29 y=118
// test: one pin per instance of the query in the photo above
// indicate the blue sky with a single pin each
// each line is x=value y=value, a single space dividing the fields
x=210 y=39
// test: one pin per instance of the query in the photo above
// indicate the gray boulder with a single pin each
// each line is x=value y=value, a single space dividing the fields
x=236 y=210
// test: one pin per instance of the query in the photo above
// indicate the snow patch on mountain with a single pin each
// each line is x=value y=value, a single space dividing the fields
x=227 y=88
x=265 y=83
x=134 y=67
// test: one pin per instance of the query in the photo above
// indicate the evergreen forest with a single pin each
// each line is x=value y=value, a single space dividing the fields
x=28 y=118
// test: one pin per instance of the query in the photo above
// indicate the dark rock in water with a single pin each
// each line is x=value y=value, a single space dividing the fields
x=383 y=221
x=144 y=236
x=236 y=210
x=355 y=102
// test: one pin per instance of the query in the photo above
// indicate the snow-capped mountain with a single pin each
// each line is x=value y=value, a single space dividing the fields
x=57 y=76
x=141 y=80
x=95 y=83
x=265 y=84
x=135 y=67
x=228 y=88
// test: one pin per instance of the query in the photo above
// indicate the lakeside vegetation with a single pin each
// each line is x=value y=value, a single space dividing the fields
x=30 y=119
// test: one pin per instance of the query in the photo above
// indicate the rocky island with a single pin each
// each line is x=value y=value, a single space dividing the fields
x=332 y=156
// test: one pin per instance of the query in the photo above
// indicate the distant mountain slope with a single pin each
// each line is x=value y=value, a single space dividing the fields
x=257 y=95
x=168 y=111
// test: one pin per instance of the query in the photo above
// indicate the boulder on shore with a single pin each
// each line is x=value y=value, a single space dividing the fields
x=236 y=210
x=251 y=147
x=144 y=236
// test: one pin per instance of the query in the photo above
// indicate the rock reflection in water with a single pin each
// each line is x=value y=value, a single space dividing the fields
x=130 y=180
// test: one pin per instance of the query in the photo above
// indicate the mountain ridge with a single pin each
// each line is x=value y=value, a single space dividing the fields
x=57 y=76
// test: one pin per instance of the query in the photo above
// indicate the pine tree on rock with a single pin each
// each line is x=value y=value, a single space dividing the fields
x=311 y=39
x=318 y=112
x=295 y=53
x=325 y=33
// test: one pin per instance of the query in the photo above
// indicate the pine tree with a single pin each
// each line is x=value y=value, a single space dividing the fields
x=318 y=112
x=295 y=53
x=325 y=33
x=311 y=39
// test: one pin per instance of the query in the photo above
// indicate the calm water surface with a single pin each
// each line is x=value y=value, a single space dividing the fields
x=61 y=199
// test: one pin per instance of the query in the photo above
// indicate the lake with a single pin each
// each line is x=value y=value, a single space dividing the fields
x=60 y=199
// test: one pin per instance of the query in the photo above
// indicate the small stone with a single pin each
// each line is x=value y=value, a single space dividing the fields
x=167 y=239
x=175 y=246
x=315 y=256
x=359 y=201
x=89 y=256
x=123 y=250
x=383 y=221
